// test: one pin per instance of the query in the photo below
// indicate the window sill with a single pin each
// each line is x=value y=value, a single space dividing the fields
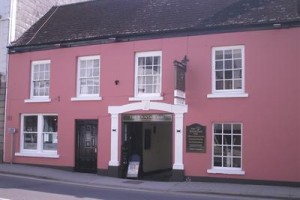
x=146 y=98
x=46 y=100
x=37 y=155
x=228 y=95
x=226 y=171
x=86 y=98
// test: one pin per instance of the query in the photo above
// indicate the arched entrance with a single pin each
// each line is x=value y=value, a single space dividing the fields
x=176 y=110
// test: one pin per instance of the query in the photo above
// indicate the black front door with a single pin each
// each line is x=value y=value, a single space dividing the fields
x=86 y=146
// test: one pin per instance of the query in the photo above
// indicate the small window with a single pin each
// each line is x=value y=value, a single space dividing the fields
x=148 y=66
x=39 y=134
x=227 y=147
x=228 y=71
x=40 y=79
x=88 y=76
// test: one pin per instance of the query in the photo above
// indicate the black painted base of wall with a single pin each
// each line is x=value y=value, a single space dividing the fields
x=114 y=171
x=102 y=172
x=177 y=175
x=243 y=181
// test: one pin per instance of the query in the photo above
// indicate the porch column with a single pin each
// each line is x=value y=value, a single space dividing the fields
x=178 y=158
x=114 y=159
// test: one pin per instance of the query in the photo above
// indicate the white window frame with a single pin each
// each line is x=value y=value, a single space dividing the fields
x=146 y=96
x=39 y=152
x=226 y=170
x=86 y=97
x=230 y=92
x=36 y=99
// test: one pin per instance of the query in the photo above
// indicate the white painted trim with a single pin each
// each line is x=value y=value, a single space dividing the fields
x=86 y=98
x=178 y=110
x=227 y=95
x=31 y=80
x=231 y=93
x=144 y=98
x=178 y=149
x=146 y=54
x=114 y=148
x=39 y=155
x=37 y=100
x=82 y=96
x=226 y=171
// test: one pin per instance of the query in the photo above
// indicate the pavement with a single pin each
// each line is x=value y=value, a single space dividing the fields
x=256 y=191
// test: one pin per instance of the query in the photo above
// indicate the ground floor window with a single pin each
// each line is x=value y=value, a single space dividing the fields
x=227 y=146
x=39 y=133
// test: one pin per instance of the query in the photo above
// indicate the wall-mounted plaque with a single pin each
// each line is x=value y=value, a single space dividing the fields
x=196 y=138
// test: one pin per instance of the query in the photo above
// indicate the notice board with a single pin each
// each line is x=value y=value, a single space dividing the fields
x=196 y=138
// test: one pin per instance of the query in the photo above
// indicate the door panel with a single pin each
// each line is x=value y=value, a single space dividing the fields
x=86 y=146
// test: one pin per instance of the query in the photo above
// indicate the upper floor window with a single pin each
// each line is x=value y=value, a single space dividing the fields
x=39 y=135
x=88 y=78
x=40 y=81
x=228 y=72
x=148 y=70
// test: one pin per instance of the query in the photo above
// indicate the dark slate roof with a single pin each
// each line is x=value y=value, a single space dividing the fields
x=102 y=19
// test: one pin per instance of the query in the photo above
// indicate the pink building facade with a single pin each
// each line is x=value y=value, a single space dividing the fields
x=90 y=108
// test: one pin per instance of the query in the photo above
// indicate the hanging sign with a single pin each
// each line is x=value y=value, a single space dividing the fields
x=180 y=69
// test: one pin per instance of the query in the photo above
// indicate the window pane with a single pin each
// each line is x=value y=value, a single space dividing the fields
x=148 y=60
x=228 y=64
x=218 y=139
x=236 y=162
x=237 y=128
x=30 y=123
x=30 y=141
x=228 y=74
x=219 y=75
x=218 y=128
x=236 y=151
x=227 y=128
x=236 y=140
x=237 y=64
x=237 y=73
x=141 y=61
x=237 y=53
x=227 y=140
x=218 y=161
x=50 y=141
x=50 y=124
x=228 y=54
x=219 y=55
x=238 y=84
x=219 y=85
x=218 y=150
x=156 y=60
x=227 y=162
x=219 y=64
x=228 y=85
x=156 y=70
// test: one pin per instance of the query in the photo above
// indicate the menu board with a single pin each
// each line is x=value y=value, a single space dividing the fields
x=196 y=138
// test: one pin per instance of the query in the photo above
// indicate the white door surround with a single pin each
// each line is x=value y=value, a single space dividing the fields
x=177 y=110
